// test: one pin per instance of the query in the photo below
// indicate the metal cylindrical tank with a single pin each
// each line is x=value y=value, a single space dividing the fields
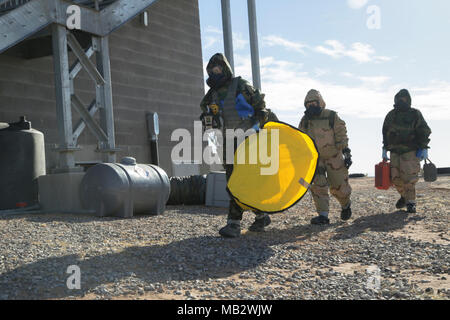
x=22 y=161
x=122 y=189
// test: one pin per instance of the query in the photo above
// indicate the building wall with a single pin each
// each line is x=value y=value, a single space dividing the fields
x=156 y=68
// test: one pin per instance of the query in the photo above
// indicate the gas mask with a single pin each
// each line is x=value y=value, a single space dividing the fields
x=313 y=109
x=401 y=105
x=216 y=78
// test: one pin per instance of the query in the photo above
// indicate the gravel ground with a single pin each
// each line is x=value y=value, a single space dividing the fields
x=179 y=255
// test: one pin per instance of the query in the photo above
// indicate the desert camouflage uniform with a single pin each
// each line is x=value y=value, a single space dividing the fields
x=405 y=132
x=330 y=142
x=253 y=97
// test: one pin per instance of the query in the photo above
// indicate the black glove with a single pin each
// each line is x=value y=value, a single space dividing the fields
x=261 y=116
x=347 y=157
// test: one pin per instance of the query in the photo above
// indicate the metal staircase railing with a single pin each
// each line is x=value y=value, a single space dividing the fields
x=7 y=5
x=29 y=17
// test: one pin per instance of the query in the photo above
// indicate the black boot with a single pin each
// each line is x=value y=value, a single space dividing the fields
x=231 y=230
x=259 y=224
x=401 y=203
x=411 y=207
x=346 y=213
x=320 y=220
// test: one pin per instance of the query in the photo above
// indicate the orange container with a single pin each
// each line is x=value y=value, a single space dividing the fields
x=383 y=175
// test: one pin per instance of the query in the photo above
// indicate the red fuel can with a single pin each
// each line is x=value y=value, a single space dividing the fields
x=383 y=175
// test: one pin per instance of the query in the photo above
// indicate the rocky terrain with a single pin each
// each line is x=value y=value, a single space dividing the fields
x=380 y=253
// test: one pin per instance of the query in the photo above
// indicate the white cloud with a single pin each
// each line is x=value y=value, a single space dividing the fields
x=214 y=36
x=319 y=72
x=372 y=81
x=285 y=86
x=337 y=49
x=376 y=81
x=211 y=29
x=272 y=41
x=209 y=42
x=357 y=4
x=360 y=52
x=239 y=41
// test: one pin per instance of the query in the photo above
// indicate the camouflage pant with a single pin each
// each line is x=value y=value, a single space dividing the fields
x=405 y=174
x=331 y=173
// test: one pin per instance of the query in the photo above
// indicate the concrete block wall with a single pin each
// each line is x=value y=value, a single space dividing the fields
x=156 y=68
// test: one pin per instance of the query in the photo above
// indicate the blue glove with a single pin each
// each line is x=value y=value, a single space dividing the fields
x=422 y=154
x=256 y=127
x=384 y=155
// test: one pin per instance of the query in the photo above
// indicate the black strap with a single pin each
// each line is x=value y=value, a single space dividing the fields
x=230 y=115
x=230 y=99
x=331 y=119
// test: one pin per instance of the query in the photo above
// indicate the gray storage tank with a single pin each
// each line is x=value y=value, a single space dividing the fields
x=126 y=188
x=22 y=161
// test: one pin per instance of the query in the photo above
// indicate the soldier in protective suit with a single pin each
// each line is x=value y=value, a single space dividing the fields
x=330 y=135
x=406 y=136
x=240 y=107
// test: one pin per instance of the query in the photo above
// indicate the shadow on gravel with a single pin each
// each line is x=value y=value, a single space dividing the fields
x=294 y=234
x=198 y=258
x=85 y=217
x=378 y=223
x=60 y=217
x=70 y=217
x=211 y=211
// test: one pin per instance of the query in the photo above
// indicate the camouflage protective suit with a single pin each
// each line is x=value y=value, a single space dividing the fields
x=404 y=132
x=330 y=135
x=272 y=116
x=218 y=93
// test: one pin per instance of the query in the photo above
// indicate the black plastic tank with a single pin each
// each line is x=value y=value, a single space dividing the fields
x=22 y=161
x=125 y=188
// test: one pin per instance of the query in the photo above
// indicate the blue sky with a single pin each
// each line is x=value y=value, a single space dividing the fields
x=327 y=45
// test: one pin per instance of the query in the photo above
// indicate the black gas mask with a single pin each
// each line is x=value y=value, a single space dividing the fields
x=401 y=105
x=216 y=78
x=313 y=109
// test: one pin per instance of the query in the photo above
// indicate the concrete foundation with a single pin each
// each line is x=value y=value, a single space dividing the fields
x=216 y=193
x=61 y=192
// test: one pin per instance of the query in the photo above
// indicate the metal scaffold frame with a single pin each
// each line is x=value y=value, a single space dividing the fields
x=67 y=98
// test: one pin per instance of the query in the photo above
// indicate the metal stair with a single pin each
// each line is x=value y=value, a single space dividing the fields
x=21 y=19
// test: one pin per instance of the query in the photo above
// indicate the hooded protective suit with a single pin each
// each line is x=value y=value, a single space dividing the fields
x=246 y=97
x=330 y=135
x=404 y=132
x=219 y=90
x=404 y=128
